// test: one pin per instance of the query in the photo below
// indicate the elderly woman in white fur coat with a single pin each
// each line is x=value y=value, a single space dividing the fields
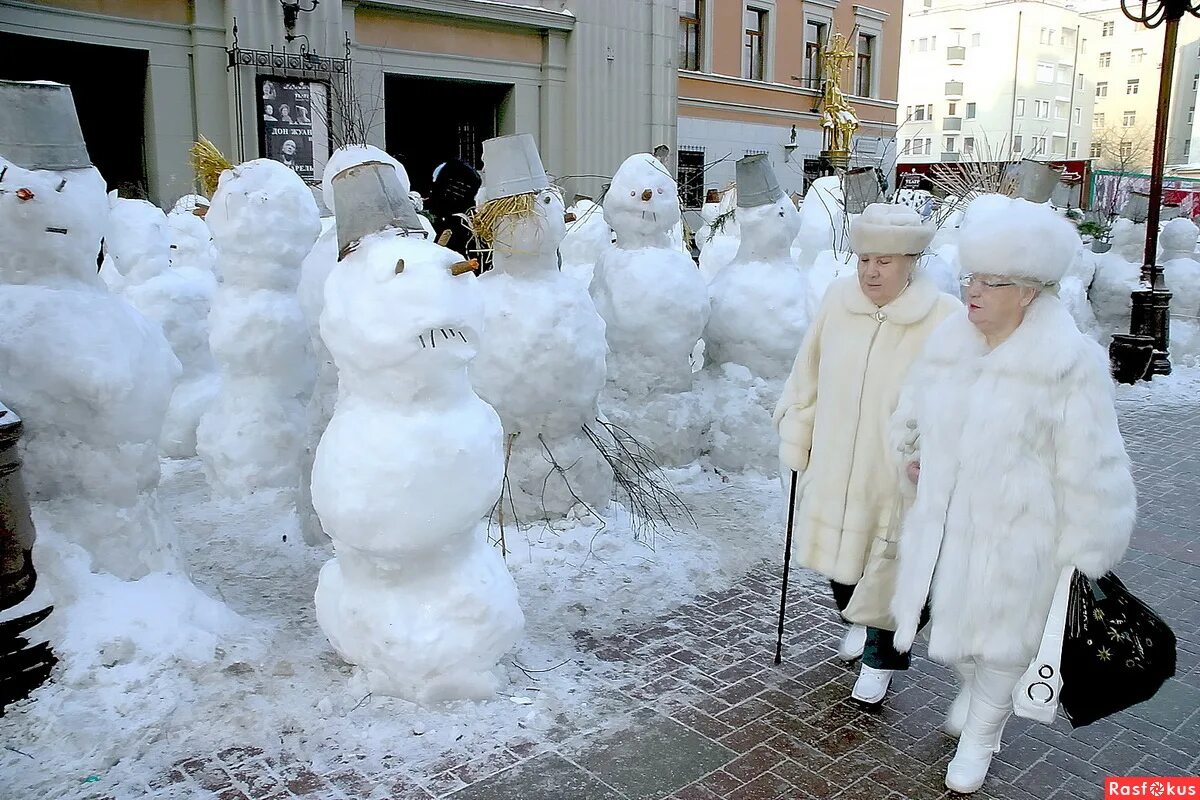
x=832 y=421
x=1022 y=470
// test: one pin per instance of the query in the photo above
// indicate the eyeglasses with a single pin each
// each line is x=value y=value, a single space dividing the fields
x=987 y=283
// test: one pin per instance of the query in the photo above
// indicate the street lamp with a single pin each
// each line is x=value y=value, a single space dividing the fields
x=1150 y=315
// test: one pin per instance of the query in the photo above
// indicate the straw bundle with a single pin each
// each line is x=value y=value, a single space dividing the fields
x=208 y=163
x=488 y=217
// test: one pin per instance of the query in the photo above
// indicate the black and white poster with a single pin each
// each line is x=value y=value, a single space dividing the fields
x=293 y=121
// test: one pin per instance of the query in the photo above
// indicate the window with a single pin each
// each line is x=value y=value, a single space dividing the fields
x=918 y=114
x=865 y=85
x=1131 y=86
x=923 y=44
x=975 y=40
x=1017 y=143
x=1083 y=45
x=1195 y=82
x=1041 y=109
x=1074 y=149
x=1079 y=82
x=1020 y=106
x=1064 y=74
x=1060 y=146
x=814 y=38
x=1187 y=148
x=949 y=144
x=1045 y=73
x=1068 y=37
x=1039 y=145
x=1137 y=55
x=691 y=38
x=1102 y=89
x=1097 y=120
x=933 y=43
x=1191 y=114
x=907 y=147
x=929 y=111
x=912 y=45
x=953 y=109
x=970 y=111
x=907 y=114
x=1129 y=119
x=1106 y=59
x=691 y=178
x=968 y=145
x=1097 y=149
x=1107 y=30
x=1046 y=36
x=1078 y=116
x=928 y=3
x=754 y=52
x=1061 y=109
x=1126 y=149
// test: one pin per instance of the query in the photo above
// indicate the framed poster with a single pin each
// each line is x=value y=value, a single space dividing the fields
x=293 y=123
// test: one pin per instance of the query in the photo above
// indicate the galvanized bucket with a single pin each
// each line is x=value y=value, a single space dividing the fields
x=1030 y=180
x=1137 y=207
x=756 y=182
x=39 y=128
x=371 y=199
x=860 y=187
x=512 y=166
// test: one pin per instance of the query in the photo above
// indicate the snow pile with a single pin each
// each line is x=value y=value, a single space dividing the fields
x=1118 y=273
x=721 y=243
x=139 y=243
x=89 y=375
x=1073 y=291
x=1181 y=273
x=586 y=239
x=407 y=469
x=264 y=221
x=541 y=365
x=655 y=304
x=738 y=404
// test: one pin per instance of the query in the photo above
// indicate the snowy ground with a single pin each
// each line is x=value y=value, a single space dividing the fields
x=155 y=671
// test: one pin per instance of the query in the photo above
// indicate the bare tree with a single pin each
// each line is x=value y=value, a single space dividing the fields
x=1125 y=152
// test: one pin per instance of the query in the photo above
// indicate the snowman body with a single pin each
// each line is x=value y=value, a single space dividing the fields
x=541 y=365
x=90 y=377
x=823 y=223
x=1118 y=274
x=264 y=220
x=406 y=471
x=1181 y=273
x=721 y=244
x=586 y=239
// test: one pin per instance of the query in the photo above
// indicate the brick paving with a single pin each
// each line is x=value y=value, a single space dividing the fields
x=709 y=716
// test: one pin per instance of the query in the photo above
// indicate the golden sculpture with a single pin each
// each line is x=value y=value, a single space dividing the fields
x=837 y=115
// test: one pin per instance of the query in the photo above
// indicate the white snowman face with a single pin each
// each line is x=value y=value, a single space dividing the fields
x=190 y=237
x=643 y=199
x=394 y=302
x=539 y=234
x=774 y=225
x=51 y=223
x=263 y=212
x=1179 y=235
x=138 y=239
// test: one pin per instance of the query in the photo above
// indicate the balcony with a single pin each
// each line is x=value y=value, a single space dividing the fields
x=948 y=158
x=952 y=123
x=954 y=88
x=956 y=54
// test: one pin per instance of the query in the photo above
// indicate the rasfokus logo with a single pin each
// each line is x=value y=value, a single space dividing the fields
x=1151 y=787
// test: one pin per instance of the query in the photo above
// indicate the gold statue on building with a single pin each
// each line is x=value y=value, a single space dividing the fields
x=837 y=115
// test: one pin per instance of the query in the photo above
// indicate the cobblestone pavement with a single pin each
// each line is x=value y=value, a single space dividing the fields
x=710 y=716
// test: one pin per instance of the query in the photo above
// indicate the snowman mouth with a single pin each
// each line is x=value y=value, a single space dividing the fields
x=429 y=341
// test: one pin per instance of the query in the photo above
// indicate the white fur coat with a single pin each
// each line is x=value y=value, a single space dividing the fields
x=1023 y=471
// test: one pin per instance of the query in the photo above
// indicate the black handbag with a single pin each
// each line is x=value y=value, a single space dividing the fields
x=1116 y=651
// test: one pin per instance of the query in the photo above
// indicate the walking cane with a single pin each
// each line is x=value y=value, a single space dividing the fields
x=787 y=566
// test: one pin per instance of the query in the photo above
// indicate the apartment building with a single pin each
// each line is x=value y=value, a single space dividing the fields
x=994 y=81
x=749 y=81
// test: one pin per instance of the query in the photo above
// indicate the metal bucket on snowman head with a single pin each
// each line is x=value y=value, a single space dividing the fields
x=512 y=166
x=372 y=199
x=1137 y=207
x=39 y=128
x=860 y=187
x=756 y=182
x=1030 y=180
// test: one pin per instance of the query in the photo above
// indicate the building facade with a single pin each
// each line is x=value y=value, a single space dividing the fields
x=995 y=81
x=1126 y=65
x=749 y=81
x=428 y=80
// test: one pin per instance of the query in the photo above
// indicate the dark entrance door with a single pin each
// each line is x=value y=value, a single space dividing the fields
x=109 y=87
x=428 y=121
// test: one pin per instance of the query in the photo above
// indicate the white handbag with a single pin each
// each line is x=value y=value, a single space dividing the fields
x=1036 y=694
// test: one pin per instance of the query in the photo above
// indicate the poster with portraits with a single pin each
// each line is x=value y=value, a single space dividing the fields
x=294 y=124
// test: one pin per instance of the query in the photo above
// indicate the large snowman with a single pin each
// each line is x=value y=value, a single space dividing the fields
x=1181 y=273
x=411 y=462
x=192 y=250
x=541 y=362
x=1118 y=273
x=139 y=243
x=264 y=221
x=654 y=302
x=88 y=374
x=586 y=239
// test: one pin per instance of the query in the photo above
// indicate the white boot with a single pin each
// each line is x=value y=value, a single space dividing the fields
x=956 y=717
x=872 y=685
x=851 y=648
x=980 y=740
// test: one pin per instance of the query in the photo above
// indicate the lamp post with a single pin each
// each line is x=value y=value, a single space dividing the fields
x=1150 y=315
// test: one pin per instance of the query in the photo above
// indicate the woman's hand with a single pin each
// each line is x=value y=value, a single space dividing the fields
x=913 y=470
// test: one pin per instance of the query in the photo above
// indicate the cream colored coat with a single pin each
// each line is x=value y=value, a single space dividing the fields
x=833 y=419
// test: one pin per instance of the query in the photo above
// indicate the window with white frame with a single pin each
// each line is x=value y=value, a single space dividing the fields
x=929 y=111
x=923 y=44
x=968 y=145
x=1059 y=146
x=1195 y=82
x=975 y=39
x=1187 y=148
x=1097 y=149
x=691 y=35
x=754 y=44
x=1078 y=115
x=1107 y=30
x=1102 y=89
x=1018 y=143
x=1061 y=109
x=1137 y=55
x=1128 y=119
x=1191 y=114
x=1074 y=149
x=1106 y=59
x=1020 y=107
x=865 y=66
x=1041 y=109
x=918 y=114
x=1045 y=72
x=950 y=140
x=1126 y=149
x=1064 y=74
x=952 y=109
x=1079 y=82
x=1131 y=86
x=1098 y=120
x=907 y=147
x=1068 y=37
x=815 y=34
x=970 y=111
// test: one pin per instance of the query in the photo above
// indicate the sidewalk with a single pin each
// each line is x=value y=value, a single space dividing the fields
x=707 y=715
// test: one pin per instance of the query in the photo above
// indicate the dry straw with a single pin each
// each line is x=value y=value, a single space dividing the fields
x=209 y=164
x=486 y=220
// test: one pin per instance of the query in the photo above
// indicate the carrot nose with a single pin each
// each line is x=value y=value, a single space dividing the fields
x=647 y=194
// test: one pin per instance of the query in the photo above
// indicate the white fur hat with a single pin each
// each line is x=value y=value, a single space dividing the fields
x=886 y=229
x=1016 y=239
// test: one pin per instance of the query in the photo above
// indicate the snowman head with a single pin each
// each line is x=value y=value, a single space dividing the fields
x=264 y=220
x=643 y=200
x=536 y=229
x=191 y=241
x=1178 y=238
x=402 y=305
x=51 y=223
x=352 y=155
x=770 y=227
x=1128 y=239
x=138 y=239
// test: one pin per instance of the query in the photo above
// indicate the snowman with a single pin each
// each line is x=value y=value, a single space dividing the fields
x=541 y=363
x=139 y=243
x=192 y=250
x=1118 y=274
x=586 y=239
x=264 y=220
x=722 y=237
x=654 y=303
x=823 y=224
x=411 y=462
x=1073 y=292
x=1181 y=273
x=89 y=376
